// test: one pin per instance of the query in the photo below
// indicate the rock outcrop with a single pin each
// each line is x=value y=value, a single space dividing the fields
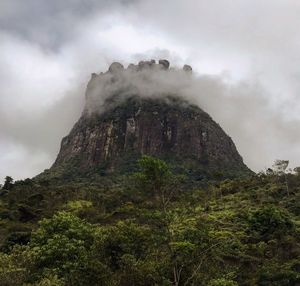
x=126 y=127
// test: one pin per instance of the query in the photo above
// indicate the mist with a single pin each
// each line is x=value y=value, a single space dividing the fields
x=242 y=108
x=245 y=59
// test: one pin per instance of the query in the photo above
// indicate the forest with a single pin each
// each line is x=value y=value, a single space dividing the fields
x=154 y=226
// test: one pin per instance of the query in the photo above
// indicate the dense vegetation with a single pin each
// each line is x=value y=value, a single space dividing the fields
x=153 y=227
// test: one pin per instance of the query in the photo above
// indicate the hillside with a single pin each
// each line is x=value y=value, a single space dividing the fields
x=148 y=190
x=150 y=228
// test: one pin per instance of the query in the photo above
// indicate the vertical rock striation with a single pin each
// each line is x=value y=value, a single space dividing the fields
x=114 y=131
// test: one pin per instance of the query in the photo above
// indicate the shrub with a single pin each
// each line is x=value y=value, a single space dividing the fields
x=270 y=221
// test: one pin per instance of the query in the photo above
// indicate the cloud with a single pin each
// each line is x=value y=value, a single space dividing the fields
x=19 y=160
x=51 y=24
x=245 y=53
x=248 y=38
x=243 y=108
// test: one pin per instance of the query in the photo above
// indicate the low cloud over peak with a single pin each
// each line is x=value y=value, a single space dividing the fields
x=245 y=57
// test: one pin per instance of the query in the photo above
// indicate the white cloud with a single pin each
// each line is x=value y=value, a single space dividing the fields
x=49 y=50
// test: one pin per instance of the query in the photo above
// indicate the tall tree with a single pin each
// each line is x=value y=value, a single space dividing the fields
x=280 y=167
x=8 y=183
x=157 y=178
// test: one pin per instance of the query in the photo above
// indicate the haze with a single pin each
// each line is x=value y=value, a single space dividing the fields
x=245 y=57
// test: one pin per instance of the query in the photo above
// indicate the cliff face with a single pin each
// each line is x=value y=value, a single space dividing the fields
x=125 y=127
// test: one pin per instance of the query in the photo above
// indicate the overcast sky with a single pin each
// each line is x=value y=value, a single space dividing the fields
x=248 y=52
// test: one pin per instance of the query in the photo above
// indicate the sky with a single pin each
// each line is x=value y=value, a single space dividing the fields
x=244 y=53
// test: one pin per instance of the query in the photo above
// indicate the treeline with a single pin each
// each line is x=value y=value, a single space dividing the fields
x=150 y=229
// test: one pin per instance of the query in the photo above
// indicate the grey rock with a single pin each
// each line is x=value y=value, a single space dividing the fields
x=115 y=67
x=187 y=68
x=145 y=64
x=132 y=67
x=93 y=75
x=164 y=63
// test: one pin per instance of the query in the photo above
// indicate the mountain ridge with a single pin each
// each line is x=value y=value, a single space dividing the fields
x=128 y=124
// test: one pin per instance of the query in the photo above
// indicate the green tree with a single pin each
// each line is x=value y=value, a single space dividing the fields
x=15 y=267
x=222 y=282
x=269 y=221
x=126 y=249
x=51 y=280
x=8 y=183
x=62 y=246
x=157 y=179
x=280 y=167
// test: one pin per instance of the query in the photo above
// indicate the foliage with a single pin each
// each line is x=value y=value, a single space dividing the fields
x=269 y=221
x=49 y=281
x=151 y=228
x=222 y=282
x=8 y=183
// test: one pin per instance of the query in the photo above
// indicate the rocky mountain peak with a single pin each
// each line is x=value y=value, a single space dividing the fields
x=127 y=115
x=148 y=78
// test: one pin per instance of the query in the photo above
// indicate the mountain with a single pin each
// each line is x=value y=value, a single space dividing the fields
x=120 y=123
x=160 y=224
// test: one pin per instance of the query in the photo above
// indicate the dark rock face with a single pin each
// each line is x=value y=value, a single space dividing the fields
x=167 y=127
